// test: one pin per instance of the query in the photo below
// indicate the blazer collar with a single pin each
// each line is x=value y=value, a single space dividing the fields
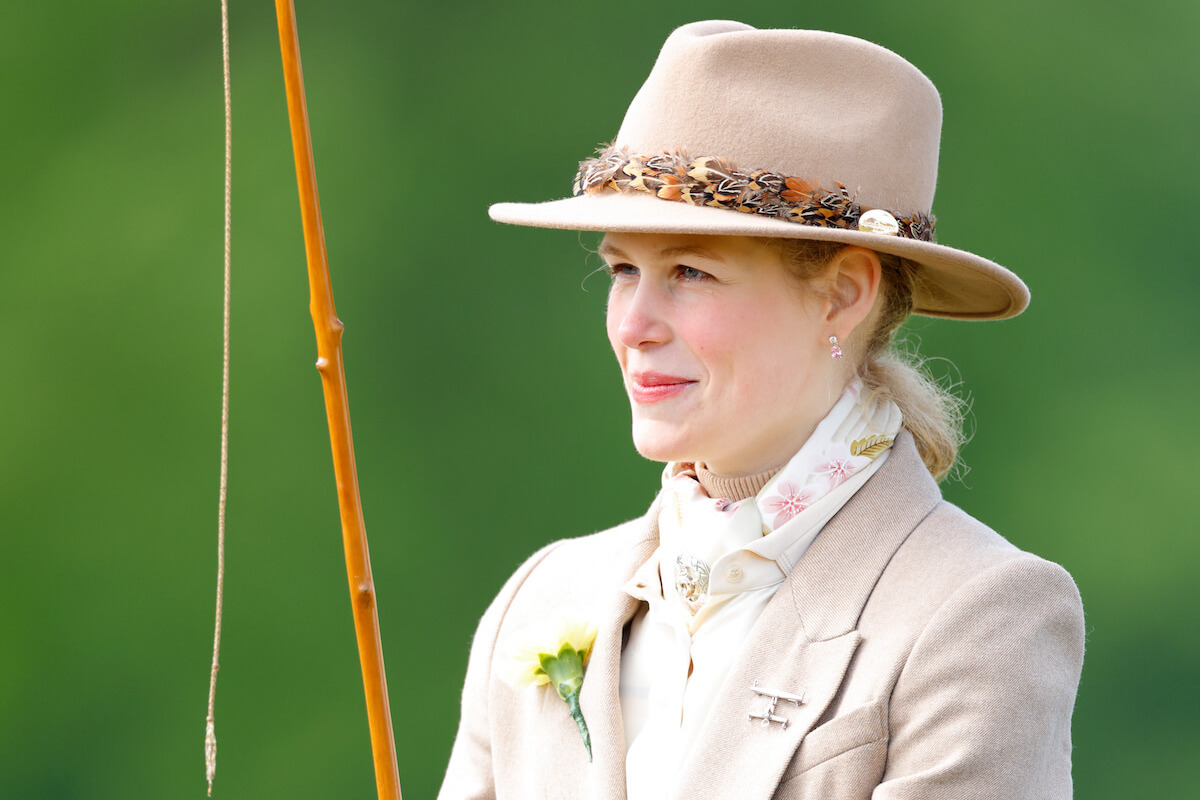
x=802 y=643
x=599 y=699
x=831 y=583
x=805 y=638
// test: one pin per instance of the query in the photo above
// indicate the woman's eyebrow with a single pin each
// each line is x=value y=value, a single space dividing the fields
x=607 y=249
x=690 y=250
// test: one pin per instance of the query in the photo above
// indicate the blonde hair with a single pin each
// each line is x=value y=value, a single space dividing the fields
x=933 y=414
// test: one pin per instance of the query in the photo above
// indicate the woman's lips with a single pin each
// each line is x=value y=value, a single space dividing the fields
x=651 y=387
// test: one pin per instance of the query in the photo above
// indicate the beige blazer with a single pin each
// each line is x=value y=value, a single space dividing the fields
x=936 y=660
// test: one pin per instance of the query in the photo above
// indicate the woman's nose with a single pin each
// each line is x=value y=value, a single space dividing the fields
x=643 y=318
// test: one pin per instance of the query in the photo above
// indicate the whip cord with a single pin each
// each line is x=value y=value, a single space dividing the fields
x=210 y=735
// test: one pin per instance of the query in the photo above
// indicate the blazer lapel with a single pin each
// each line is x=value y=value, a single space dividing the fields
x=804 y=641
x=599 y=699
x=737 y=756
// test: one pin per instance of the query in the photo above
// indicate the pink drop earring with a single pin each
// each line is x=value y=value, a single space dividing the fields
x=835 y=350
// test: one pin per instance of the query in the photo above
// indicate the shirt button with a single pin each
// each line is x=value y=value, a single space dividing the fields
x=734 y=574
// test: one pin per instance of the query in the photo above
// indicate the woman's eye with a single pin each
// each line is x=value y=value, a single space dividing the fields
x=621 y=270
x=691 y=273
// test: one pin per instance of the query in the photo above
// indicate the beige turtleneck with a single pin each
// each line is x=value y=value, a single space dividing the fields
x=734 y=489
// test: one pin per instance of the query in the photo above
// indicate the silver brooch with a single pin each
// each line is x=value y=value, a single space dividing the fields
x=691 y=581
x=773 y=697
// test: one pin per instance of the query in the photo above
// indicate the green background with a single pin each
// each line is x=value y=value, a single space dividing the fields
x=488 y=411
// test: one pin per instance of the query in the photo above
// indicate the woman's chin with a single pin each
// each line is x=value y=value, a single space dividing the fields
x=657 y=440
x=657 y=447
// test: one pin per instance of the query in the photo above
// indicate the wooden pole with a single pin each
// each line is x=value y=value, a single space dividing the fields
x=337 y=409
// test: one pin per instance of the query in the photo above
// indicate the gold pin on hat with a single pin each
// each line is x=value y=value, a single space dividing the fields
x=879 y=221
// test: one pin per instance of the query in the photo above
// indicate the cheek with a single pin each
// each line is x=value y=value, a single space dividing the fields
x=612 y=322
x=719 y=329
x=773 y=358
x=732 y=341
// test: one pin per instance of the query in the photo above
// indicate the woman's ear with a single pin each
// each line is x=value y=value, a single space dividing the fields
x=854 y=274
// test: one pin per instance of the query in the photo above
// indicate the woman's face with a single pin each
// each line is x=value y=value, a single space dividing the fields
x=725 y=358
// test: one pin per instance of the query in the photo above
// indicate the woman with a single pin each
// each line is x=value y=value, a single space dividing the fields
x=799 y=614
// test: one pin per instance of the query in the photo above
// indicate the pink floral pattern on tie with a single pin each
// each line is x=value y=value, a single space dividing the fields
x=836 y=470
x=789 y=502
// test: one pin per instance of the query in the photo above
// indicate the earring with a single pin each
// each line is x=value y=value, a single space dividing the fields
x=835 y=350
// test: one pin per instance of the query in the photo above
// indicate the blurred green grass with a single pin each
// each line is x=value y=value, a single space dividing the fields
x=487 y=412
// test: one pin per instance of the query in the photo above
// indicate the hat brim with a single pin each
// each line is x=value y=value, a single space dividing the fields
x=951 y=283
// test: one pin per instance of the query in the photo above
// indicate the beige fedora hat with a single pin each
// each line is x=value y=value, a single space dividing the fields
x=783 y=133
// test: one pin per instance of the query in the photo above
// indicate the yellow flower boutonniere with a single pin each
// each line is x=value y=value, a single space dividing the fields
x=555 y=654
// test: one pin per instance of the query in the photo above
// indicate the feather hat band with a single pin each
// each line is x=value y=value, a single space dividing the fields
x=783 y=133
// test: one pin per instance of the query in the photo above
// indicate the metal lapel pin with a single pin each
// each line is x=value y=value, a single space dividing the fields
x=768 y=715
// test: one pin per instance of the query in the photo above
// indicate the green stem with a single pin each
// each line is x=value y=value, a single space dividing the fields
x=565 y=671
x=572 y=699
